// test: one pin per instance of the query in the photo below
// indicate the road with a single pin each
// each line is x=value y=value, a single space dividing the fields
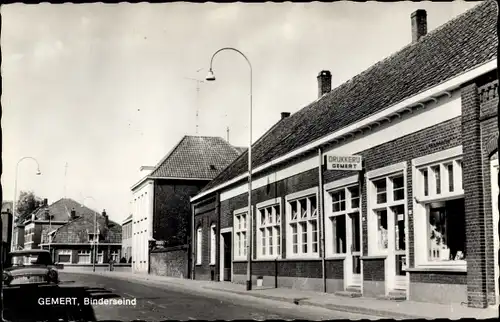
x=157 y=303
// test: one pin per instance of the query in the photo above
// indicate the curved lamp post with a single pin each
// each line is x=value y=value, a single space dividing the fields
x=14 y=203
x=211 y=77
x=94 y=242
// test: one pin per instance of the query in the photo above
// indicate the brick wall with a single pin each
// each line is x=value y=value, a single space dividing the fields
x=172 y=210
x=488 y=94
x=374 y=269
x=170 y=262
x=439 y=277
x=206 y=215
x=474 y=198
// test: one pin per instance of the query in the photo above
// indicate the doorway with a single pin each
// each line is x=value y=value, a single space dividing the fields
x=494 y=204
x=226 y=257
x=354 y=255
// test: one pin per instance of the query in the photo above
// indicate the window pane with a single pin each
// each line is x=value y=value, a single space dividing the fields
x=293 y=204
x=278 y=240
x=294 y=239
x=381 y=188
x=263 y=231
x=399 y=227
x=382 y=229
x=303 y=230
x=314 y=211
x=278 y=215
x=270 y=238
x=303 y=208
x=425 y=175
x=262 y=217
x=437 y=175
x=449 y=167
x=354 y=197
x=398 y=188
x=339 y=234
x=447 y=231
x=314 y=230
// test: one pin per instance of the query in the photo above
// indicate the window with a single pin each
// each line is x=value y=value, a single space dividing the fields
x=240 y=234
x=303 y=225
x=439 y=216
x=100 y=257
x=213 y=245
x=114 y=256
x=64 y=256
x=84 y=257
x=387 y=201
x=269 y=231
x=198 y=246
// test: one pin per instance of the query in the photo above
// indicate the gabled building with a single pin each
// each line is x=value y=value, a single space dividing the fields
x=161 y=210
x=418 y=221
x=72 y=243
x=19 y=233
x=127 y=239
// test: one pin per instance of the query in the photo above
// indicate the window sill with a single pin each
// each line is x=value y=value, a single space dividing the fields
x=267 y=259
x=373 y=257
x=336 y=257
x=439 y=268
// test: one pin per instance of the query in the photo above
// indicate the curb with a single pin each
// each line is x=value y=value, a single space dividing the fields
x=333 y=307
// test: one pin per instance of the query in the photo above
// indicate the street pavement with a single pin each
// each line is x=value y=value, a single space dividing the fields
x=161 y=302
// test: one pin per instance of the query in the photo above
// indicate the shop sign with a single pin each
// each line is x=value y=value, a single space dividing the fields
x=347 y=163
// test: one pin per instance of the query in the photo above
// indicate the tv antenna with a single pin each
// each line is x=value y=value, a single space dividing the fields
x=198 y=82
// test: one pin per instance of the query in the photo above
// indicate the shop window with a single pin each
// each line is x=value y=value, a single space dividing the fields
x=64 y=256
x=84 y=257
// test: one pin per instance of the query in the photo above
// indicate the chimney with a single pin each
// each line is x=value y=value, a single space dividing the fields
x=45 y=202
x=418 y=25
x=324 y=82
x=73 y=213
x=106 y=218
x=284 y=115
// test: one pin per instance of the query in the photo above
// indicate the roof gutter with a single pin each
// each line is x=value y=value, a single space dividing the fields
x=167 y=178
x=417 y=99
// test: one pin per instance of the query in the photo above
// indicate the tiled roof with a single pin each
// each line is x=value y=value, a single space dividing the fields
x=61 y=210
x=200 y=157
x=459 y=45
x=76 y=230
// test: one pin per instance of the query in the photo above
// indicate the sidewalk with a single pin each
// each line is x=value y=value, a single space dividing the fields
x=382 y=308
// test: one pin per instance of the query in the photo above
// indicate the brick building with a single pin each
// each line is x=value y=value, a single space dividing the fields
x=417 y=222
x=161 y=210
x=71 y=243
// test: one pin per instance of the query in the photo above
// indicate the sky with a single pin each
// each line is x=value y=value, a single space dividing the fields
x=107 y=88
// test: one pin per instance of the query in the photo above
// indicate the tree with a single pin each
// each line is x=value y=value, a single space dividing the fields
x=27 y=203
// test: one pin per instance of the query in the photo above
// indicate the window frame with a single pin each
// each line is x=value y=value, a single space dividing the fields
x=65 y=252
x=297 y=197
x=239 y=247
x=277 y=241
x=213 y=244
x=346 y=186
x=422 y=202
x=199 y=245
x=387 y=173
x=87 y=253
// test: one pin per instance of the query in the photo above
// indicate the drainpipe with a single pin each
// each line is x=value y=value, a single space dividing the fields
x=217 y=236
x=193 y=261
x=321 y=216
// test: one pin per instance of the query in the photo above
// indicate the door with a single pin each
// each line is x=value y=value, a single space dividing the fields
x=226 y=257
x=399 y=247
x=355 y=249
x=494 y=204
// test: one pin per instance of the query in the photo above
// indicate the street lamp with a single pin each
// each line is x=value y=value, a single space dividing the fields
x=94 y=240
x=211 y=77
x=14 y=204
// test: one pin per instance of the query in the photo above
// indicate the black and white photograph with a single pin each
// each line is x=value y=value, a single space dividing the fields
x=250 y=161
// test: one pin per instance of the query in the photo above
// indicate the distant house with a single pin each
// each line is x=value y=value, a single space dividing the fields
x=127 y=239
x=6 y=228
x=71 y=243
x=161 y=208
x=19 y=225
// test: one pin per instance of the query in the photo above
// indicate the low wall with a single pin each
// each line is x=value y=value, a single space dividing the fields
x=68 y=268
x=172 y=262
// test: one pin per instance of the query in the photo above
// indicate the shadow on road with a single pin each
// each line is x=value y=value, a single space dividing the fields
x=55 y=303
